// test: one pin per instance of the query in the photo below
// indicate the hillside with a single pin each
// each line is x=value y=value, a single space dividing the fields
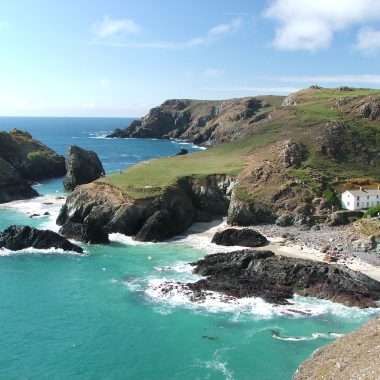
x=203 y=122
x=288 y=169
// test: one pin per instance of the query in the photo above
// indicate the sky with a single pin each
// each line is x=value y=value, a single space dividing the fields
x=123 y=57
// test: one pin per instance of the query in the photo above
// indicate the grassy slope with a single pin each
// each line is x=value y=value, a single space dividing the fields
x=313 y=108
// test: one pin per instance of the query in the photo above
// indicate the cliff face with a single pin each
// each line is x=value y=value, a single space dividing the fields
x=354 y=356
x=93 y=211
x=23 y=159
x=202 y=122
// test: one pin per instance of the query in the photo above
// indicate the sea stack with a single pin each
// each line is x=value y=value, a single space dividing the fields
x=83 y=166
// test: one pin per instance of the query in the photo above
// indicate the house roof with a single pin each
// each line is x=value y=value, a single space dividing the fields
x=358 y=193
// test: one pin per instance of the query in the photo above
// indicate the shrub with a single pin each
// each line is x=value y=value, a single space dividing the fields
x=373 y=211
x=330 y=197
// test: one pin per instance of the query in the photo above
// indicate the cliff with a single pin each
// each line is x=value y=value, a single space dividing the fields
x=288 y=169
x=354 y=356
x=22 y=160
x=203 y=122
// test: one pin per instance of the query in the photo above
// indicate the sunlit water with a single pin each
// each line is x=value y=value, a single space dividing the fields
x=101 y=315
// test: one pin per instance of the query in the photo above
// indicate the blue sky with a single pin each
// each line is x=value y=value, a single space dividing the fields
x=122 y=57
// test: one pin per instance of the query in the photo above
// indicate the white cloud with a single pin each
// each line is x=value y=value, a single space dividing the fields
x=211 y=72
x=311 y=24
x=111 y=27
x=339 y=79
x=216 y=32
x=213 y=34
x=368 y=40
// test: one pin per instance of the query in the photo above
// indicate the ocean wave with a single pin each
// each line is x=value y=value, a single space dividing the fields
x=50 y=251
x=330 y=335
x=175 y=294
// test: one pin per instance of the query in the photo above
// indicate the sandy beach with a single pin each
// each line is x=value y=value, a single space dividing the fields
x=278 y=246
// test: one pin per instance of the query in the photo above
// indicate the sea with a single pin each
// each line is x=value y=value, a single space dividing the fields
x=102 y=315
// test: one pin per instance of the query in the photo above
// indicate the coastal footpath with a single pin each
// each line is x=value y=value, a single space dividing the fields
x=354 y=356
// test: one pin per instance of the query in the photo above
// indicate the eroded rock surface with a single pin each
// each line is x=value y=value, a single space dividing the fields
x=82 y=166
x=249 y=273
x=245 y=237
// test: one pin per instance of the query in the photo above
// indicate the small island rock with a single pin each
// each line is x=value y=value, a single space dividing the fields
x=16 y=238
x=83 y=166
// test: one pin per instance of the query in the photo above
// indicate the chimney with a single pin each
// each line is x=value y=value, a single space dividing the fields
x=360 y=188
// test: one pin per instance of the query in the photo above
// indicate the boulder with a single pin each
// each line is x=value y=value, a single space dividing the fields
x=182 y=152
x=83 y=166
x=16 y=238
x=249 y=273
x=244 y=237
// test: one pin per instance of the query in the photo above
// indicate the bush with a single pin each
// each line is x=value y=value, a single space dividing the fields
x=373 y=211
x=330 y=197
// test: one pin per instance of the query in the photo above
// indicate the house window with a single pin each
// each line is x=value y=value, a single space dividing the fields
x=348 y=203
x=367 y=204
x=367 y=196
x=357 y=204
x=357 y=198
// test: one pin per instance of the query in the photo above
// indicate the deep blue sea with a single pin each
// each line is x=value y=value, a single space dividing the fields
x=101 y=315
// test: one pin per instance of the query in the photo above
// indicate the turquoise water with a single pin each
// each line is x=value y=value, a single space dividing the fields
x=97 y=316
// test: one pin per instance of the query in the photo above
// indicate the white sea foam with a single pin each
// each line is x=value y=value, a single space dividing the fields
x=218 y=364
x=175 y=294
x=123 y=239
x=313 y=336
x=50 y=251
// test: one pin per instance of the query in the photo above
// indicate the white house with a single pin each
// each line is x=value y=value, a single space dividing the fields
x=359 y=199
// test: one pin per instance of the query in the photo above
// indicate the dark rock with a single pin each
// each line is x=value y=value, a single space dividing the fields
x=249 y=273
x=118 y=134
x=345 y=88
x=244 y=237
x=83 y=166
x=284 y=220
x=12 y=185
x=163 y=225
x=16 y=238
x=182 y=152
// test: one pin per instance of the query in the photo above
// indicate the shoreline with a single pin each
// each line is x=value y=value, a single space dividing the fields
x=279 y=246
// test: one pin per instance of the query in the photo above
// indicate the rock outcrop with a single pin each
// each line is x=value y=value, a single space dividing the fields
x=12 y=185
x=201 y=122
x=22 y=161
x=16 y=238
x=249 y=273
x=244 y=237
x=339 y=218
x=95 y=210
x=82 y=166
x=354 y=356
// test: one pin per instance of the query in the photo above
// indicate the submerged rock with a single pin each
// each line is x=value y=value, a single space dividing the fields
x=16 y=238
x=245 y=237
x=249 y=273
x=83 y=166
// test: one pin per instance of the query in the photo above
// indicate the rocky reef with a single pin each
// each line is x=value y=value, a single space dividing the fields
x=16 y=238
x=249 y=273
x=201 y=122
x=354 y=356
x=22 y=161
x=95 y=210
x=82 y=166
